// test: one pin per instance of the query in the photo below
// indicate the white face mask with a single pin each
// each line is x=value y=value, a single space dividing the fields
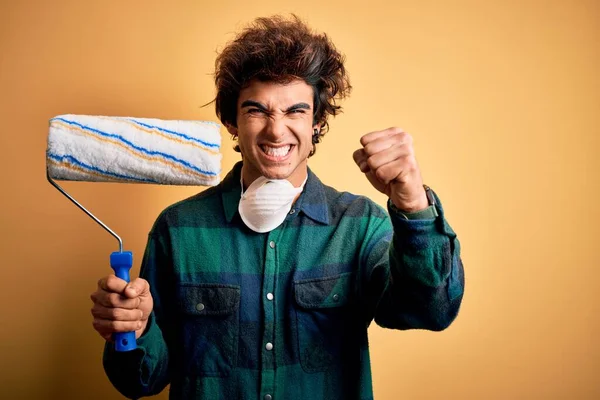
x=265 y=204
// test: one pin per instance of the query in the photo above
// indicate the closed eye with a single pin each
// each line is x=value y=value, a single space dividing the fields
x=300 y=108
x=256 y=111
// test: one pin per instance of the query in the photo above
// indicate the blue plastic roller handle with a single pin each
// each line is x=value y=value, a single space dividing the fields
x=121 y=263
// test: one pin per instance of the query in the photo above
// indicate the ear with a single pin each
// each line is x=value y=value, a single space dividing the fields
x=233 y=131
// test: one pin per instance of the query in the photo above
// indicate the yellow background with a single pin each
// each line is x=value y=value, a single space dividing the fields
x=503 y=101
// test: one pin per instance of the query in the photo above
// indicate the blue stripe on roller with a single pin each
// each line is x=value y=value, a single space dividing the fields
x=83 y=165
x=193 y=139
x=138 y=148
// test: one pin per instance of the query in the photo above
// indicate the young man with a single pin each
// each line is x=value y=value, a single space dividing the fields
x=263 y=287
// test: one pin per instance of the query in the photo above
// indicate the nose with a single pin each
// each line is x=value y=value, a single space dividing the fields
x=276 y=128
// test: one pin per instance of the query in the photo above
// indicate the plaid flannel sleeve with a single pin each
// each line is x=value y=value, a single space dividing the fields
x=418 y=270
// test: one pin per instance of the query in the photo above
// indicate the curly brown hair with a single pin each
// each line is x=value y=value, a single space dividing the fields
x=279 y=49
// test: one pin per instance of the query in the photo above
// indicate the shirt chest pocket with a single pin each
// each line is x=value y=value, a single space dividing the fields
x=210 y=319
x=325 y=321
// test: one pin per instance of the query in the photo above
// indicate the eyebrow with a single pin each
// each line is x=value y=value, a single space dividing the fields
x=298 y=106
x=252 y=103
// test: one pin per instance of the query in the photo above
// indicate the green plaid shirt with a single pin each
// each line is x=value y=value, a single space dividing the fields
x=283 y=314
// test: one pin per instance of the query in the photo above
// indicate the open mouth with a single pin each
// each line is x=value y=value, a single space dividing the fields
x=276 y=153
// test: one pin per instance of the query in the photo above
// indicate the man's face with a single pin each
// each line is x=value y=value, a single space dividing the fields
x=274 y=129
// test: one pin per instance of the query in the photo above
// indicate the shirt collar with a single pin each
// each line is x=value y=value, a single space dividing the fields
x=312 y=200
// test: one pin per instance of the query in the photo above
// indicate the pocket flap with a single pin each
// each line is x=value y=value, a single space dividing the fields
x=208 y=299
x=326 y=292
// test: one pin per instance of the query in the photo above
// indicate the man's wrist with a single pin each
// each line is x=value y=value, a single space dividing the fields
x=421 y=211
x=413 y=206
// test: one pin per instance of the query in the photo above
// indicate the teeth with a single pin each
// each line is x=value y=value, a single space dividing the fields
x=276 y=151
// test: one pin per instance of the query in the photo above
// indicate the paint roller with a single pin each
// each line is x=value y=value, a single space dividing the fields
x=131 y=150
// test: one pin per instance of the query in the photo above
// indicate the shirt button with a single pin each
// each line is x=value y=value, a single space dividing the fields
x=269 y=346
x=292 y=211
x=269 y=296
x=199 y=306
x=336 y=297
x=268 y=397
x=272 y=244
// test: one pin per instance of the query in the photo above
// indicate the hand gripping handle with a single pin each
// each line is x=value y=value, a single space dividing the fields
x=121 y=262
